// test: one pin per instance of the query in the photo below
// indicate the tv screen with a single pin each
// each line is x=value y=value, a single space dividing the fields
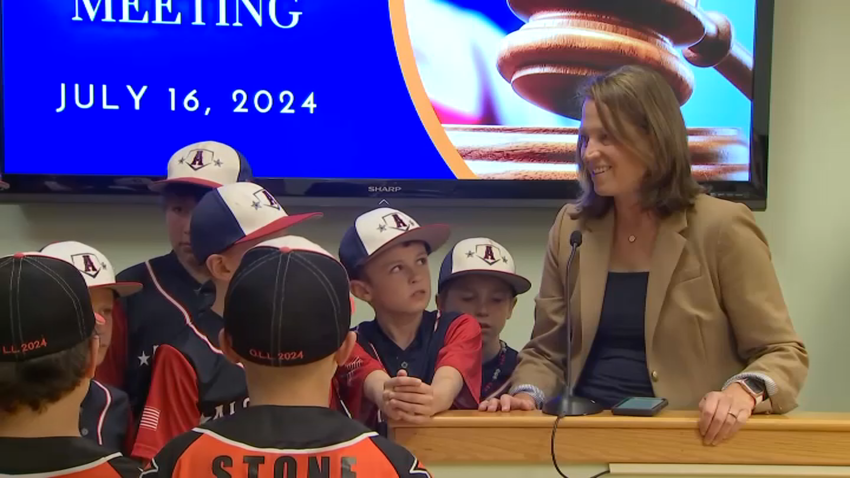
x=436 y=98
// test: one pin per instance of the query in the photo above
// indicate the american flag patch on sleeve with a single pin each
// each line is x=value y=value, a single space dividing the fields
x=150 y=418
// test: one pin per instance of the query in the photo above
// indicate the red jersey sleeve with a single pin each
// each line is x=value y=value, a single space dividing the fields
x=172 y=404
x=111 y=370
x=351 y=378
x=462 y=351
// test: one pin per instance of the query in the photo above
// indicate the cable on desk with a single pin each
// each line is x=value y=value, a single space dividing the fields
x=555 y=457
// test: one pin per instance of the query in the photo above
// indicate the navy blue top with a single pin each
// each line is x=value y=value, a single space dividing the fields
x=616 y=368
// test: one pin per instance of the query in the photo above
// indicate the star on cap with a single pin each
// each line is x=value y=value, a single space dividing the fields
x=217 y=162
x=103 y=265
x=382 y=228
x=256 y=205
x=505 y=260
x=469 y=253
x=182 y=160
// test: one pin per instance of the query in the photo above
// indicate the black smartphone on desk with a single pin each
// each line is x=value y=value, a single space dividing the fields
x=639 y=406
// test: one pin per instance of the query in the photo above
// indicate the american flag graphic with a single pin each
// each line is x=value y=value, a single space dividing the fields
x=150 y=418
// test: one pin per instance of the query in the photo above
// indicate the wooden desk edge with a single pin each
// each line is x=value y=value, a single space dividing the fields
x=802 y=439
x=801 y=421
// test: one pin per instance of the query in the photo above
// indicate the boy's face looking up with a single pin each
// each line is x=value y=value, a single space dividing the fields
x=102 y=301
x=489 y=299
x=396 y=280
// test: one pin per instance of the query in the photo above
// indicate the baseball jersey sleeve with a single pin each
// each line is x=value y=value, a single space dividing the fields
x=111 y=370
x=165 y=464
x=462 y=351
x=172 y=404
x=351 y=379
x=405 y=464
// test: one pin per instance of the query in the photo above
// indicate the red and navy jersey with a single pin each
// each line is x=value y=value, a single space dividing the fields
x=448 y=339
x=286 y=442
x=105 y=417
x=192 y=383
x=68 y=457
x=171 y=299
x=496 y=372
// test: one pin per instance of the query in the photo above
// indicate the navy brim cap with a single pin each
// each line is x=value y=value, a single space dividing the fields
x=45 y=307
x=287 y=304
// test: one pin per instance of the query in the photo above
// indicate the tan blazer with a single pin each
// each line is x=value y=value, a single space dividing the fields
x=713 y=307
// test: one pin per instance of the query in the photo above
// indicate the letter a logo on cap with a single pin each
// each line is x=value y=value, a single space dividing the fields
x=87 y=264
x=199 y=159
x=265 y=199
x=489 y=254
x=395 y=221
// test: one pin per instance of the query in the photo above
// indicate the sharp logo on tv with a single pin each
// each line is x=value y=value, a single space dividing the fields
x=201 y=12
x=384 y=189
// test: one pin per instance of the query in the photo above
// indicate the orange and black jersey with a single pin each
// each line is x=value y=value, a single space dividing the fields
x=68 y=457
x=286 y=442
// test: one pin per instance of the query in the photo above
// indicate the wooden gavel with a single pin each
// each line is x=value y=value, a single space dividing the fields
x=566 y=41
x=550 y=153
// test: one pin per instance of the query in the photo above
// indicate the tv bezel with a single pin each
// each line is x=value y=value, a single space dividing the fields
x=452 y=193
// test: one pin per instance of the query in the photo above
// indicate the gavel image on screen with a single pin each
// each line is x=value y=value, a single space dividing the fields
x=566 y=41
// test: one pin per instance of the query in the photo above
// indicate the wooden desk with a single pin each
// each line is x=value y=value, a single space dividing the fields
x=474 y=438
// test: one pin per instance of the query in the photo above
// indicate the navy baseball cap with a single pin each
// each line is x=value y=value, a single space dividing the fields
x=480 y=255
x=288 y=303
x=382 y=228
x=208 y=164
x=45 y=307
x=237 y=213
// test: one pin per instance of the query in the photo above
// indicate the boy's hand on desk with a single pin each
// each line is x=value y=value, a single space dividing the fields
x=408 y=399
x=507 y=402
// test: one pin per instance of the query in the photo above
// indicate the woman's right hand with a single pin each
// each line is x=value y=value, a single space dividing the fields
x=506 y=403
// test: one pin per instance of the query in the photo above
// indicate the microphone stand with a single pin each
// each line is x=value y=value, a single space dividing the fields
x=567 y=404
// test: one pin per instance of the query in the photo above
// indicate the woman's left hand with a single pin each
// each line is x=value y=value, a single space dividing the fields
x=723 y=413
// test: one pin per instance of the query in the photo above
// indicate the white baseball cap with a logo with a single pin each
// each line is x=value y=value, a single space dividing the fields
x=237 y=213
x=382 y=228
x=480 y=255
x=92 y=264
x=208 y=164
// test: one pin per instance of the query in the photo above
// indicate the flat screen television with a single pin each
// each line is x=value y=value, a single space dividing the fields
x=340 y=100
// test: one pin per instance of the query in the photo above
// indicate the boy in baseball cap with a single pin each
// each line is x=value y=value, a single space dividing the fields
x=478 y=277
x=48 y=354
x=105 y=414
x=386 y=255
x=192 y=382
x=287 y=316
x=173 y=294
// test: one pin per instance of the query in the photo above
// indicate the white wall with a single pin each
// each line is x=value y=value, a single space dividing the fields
x=806 y=222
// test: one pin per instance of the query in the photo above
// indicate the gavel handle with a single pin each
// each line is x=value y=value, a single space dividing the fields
x=738 y=69
x=720 y=50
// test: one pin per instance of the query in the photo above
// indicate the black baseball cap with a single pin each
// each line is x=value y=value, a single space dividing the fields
x=45 y=307
x=287 y=304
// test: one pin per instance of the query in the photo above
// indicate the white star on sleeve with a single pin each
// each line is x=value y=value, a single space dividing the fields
x=143 y=359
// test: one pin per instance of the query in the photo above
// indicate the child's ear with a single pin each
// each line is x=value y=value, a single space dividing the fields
x=439 y=300
x=513 y=304
x=361 y=290
x=227 y=347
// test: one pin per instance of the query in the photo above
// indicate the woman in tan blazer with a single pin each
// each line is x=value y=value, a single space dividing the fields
x=672 y=293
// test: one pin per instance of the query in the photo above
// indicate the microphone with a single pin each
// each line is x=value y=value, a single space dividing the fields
x=566 y=404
